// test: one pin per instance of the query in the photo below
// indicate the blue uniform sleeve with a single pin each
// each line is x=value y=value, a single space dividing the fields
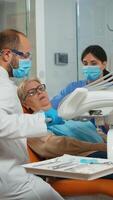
x=67 y=90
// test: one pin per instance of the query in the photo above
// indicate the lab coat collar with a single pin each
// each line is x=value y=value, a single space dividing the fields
x=4 y=72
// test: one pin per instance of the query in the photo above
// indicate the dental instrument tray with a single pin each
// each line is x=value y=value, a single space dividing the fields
x=75 y=167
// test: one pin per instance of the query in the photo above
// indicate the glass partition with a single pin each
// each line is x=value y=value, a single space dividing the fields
x=13 y=15
x=20 y=15
x=63 y=26
x=95 y=26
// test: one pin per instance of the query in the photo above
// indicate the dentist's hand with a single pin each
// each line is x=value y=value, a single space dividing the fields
x=53 y=115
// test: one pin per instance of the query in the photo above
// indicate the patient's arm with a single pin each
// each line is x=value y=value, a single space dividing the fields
x=52 y=146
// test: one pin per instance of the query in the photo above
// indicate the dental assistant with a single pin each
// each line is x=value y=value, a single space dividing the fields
x=94 y=61
x=15 y=182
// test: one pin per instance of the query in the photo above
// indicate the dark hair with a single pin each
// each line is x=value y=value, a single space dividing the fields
x=97 y=51
x=9 y=38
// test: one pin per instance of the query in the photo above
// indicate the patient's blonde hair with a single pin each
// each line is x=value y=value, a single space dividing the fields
x=21 y=88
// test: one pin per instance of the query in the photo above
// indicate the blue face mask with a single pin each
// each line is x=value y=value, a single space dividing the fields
x=91 y=73
x=23 y=69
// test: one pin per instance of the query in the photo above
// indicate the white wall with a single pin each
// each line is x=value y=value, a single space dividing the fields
x=60 y=36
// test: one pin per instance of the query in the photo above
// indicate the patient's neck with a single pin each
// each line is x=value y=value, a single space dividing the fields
x=43 y=108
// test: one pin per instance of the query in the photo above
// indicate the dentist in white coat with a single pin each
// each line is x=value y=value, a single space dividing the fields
x=15 y=183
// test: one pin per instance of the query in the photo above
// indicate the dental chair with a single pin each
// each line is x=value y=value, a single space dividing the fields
x=68 y=109
x=73 y=187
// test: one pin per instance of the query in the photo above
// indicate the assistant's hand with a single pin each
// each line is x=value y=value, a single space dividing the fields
x=53 y=115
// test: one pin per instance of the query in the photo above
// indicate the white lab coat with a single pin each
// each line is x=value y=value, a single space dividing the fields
x=15 y=126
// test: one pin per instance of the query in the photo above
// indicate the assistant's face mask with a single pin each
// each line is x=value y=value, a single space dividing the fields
x=91 y=73
x=23 y=69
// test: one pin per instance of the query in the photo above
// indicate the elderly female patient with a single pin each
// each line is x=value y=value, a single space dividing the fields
x=76 y=137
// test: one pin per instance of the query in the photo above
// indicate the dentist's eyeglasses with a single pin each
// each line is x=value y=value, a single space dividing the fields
x=26 y=55
x=33 y=91
x=20 y=53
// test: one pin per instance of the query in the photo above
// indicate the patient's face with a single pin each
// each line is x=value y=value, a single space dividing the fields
x=36 y=96
x=89 y=59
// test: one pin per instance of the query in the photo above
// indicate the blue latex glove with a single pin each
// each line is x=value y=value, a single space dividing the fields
x=53 y=115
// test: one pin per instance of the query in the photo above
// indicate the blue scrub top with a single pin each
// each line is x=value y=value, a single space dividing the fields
x=67 y=90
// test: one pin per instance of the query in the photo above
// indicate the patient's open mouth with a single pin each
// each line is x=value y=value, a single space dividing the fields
x=42 y=98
